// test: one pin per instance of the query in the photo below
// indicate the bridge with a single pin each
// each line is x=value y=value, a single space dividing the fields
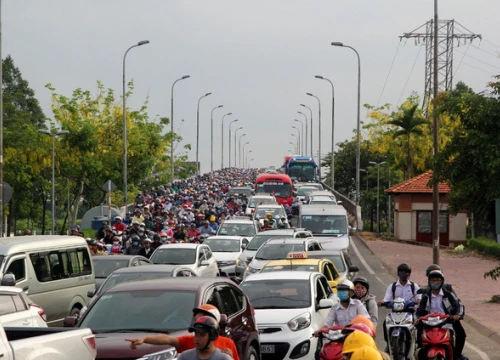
x=354 y=211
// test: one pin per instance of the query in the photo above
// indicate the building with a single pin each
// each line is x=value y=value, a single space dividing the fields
x=413 y=212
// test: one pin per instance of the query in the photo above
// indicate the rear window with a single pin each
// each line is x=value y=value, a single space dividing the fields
x=174 y=256
x=278 y=294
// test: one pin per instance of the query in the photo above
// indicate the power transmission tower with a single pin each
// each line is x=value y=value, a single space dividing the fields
x=450 y=34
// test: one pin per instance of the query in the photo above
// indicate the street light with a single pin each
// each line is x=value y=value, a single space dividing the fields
x=212 y=137
x=294 y=146
x=302 y=124
x=310 y=132
x=298 y=132
x=239 y=148
x=358 y=131
x=125 y=200
x=378 y=188
x=367 y=211
x=307 y=131
x=297 y=146
x=222 y=141
x=230 y=139
x=198 y=130
x=53 y=135
x=172 y=127
x=246 y=158
x=235 y=132
x=242 y=155
x=319 y=136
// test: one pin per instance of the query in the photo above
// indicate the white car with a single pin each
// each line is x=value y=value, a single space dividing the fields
x=196 y=257
x=257 y=200
x=18 y=310
x=289 y=306
x=226 y=250
x=241 y=226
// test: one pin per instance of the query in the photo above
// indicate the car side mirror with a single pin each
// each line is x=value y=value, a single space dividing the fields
x=70 y=321
x=353 y=268
x=244 y=246
x=352 y=231
x=325 y=304
x=8 y=280
x=90 y=293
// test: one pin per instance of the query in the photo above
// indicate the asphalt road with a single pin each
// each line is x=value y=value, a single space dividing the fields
x=478 y=347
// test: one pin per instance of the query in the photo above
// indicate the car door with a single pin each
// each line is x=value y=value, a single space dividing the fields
x=323 y=291
x=213 y=268
x=17 y=266
x=13 y=312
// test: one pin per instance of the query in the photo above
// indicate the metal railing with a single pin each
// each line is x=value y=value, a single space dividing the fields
x=352 y=209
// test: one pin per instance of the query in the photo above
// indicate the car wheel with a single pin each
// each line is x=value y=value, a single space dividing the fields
x=252 y=354
x=75 y=312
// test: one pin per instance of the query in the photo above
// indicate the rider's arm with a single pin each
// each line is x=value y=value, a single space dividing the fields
x=388 y=294
x=418 y=297
x=373 y=310
x=158 y=339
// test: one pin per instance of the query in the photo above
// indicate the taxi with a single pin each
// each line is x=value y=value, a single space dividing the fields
x=299 y=261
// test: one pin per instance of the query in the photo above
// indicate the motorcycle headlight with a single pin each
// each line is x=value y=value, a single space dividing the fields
x=300 y=322
x=169 y=354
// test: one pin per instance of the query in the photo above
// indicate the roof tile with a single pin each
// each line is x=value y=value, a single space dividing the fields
x=418 y=184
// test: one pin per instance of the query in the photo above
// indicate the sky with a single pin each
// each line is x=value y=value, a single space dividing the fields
x=258 y=59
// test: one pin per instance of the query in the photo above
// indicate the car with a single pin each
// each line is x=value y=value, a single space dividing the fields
x=277 y=211
x=241 y=226
x=136 y=273
x=16 y=308
x=299 y=261
x=302 y=192
x=138 y=308
x=197 y=257
x=341 y=260
x=275 y=249
x=289 y=306
x=240 y=190
x=258 y=200
x=320 y=196
x=259 y=239
x=226 y=250
x=105 y=265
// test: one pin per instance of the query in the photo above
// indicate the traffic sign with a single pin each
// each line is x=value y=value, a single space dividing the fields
x=7 y=192
x=109 y=186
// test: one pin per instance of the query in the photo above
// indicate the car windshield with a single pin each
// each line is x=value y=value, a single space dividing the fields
x=260 y=239
x=322 y=198
x=277 y=251
x=322 y=202
x=235 y=229
x=103 y=268
x=304 y=190
x=114 y=279
x=174 y=256
x=255 y=202
x=325 y=224
x=283 y=294
x=288 y=267
x=223 y=245
x=167 y=311
x=336 y=259
x=276 y=212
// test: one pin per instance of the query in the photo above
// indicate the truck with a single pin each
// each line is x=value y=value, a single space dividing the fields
x=19 y=343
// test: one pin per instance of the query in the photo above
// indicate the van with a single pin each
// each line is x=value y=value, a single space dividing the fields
x=55 y=271
x=328 y=223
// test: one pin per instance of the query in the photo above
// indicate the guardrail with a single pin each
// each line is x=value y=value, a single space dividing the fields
x=351 y=207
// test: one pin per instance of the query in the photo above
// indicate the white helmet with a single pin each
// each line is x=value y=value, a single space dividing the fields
x=347 y=283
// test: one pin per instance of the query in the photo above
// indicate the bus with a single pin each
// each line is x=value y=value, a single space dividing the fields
x=302 y=168
x=279 y=185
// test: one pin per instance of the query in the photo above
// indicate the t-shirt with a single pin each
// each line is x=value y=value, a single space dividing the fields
x=193 y=355
x=186 y=342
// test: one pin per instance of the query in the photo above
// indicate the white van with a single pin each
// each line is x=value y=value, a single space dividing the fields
x=55 y=271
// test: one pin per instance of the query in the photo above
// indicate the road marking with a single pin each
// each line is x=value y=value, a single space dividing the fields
x=362 y=259
x=479 y=352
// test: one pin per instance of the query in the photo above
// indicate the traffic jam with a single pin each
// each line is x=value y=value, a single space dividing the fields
x=233 y=264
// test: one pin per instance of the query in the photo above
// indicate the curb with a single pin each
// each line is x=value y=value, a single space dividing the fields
x=482 y=329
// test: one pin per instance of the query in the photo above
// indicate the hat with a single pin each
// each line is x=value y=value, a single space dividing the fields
x=148 y=240
x=118 y=218
x=75 y=228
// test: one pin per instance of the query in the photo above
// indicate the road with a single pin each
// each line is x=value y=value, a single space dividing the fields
x=478 y=347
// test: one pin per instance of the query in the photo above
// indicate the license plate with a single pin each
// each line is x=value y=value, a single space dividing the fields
x=396 y=332
x=267 y=349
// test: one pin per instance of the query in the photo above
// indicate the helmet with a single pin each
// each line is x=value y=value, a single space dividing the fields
x=432 y=267
x=356 y=340
x=361 y=319
x=206 y=324
x=135 y=238
x=363 y=281
x=360 y=327
x=404 y=267
x=366 y=353
x=209 y=310
x=345 y=285
x=436 y=274
x=212 y=218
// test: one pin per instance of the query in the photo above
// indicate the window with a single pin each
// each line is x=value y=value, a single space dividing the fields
x=424 y=222
x=333 y=271
x=443 y=222
x=6 y=305
x=240 y=297
x=17 y=268
x=61 y=264
x=208 y=253
x=228 y=300
x=320 y=292
x=326 y=287
x=326 y=271
x=213 y=298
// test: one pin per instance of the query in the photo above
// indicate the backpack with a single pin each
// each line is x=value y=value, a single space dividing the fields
x=412 y=284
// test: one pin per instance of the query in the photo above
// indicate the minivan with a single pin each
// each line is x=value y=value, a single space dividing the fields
x=55 y=271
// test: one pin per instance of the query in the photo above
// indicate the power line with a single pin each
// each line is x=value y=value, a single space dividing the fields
x=480 y=69
x=488 y=52
x=387 y=77
x=411 y=72
x=481 y=61
x=489 y=42
x=462 y=59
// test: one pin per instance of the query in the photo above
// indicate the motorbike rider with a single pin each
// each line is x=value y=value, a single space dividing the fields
x=438 y=298
x=193 y=233
x=361 y=292
x=179 y=234
x=119 y=225
x=135 y=246
x=147 y=250
x=402 y=288
x=206 y=229
x=116 y=247
x=346 y=309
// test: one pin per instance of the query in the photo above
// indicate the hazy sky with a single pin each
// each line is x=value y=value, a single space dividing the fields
x=257 y=57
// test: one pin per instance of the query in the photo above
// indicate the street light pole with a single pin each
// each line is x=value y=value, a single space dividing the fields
x=358 y=131
x=53 y=135
x=319 y=136
x=212 y=137
x=235 y=132
x=243 y=155
x=198 y=131
x=239 y=148
x=378 y=188
x=307 y=131
x=302 y=124
x=125 y=198
x=294 y=146
x=298 y=132
x=222 y=141
x=246 y=158
x=230 y=139
x=172 y=128
x=367 y=211
x=311 y=131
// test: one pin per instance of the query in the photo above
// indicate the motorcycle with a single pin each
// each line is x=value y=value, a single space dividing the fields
x=332 y=350
x=437 y=343
x=400 y=330
x=203 y=237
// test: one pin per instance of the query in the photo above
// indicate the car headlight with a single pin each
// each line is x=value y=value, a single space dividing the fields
x=300 y=322
x=250 y=270
x=169 y=354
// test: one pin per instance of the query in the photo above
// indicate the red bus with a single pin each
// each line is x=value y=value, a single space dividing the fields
x=280 y=185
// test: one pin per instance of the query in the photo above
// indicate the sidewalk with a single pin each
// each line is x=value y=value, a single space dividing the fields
x=464 y=271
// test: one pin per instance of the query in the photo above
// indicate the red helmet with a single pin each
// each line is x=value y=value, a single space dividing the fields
x=206 y=324
x=359 y=326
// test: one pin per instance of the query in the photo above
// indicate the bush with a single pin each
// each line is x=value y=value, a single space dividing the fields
x=485 y=246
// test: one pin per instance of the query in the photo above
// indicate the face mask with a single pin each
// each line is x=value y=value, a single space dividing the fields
x=403 y=276
x=436 y=286
x=163 y=239
x=135 y=243
x=116 y=243
x=343 y=295
x=360 y=292
x=140 y=233
x=150 y=237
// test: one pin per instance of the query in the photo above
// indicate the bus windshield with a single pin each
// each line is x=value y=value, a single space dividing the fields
x=302 y=172
x=279 y=189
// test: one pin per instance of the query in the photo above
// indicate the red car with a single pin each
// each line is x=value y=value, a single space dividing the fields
x=134 y=309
